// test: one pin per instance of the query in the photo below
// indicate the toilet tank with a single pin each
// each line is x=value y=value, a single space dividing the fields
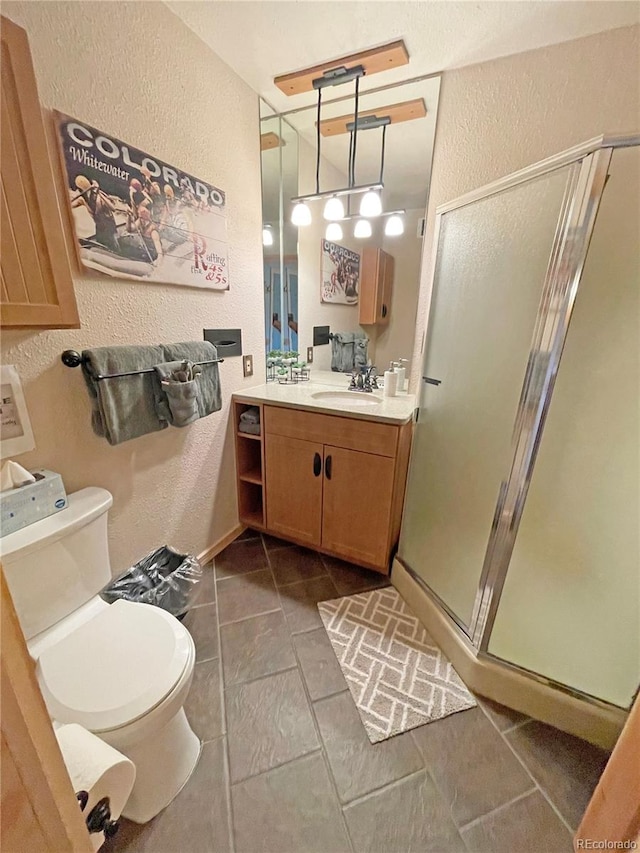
x=57 y=564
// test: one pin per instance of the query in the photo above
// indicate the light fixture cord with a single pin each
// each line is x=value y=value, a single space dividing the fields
x=384 y=134
x=318 y=137
x=355 y=132
x=350 y=175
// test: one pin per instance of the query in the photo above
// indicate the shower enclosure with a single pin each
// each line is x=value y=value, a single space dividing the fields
x=522 y=507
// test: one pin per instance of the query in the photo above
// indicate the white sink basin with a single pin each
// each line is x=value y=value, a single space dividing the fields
x=353 y=398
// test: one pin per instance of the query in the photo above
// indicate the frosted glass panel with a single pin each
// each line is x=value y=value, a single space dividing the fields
x=491 y=264
x=570 y=607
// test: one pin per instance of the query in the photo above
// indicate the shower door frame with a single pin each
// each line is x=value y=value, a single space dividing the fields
x=576 y=222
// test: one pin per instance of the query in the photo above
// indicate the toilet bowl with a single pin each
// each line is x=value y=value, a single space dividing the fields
x=120 y=670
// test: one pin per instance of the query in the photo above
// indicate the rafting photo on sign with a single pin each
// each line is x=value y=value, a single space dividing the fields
x=340 y=274
x=139 y=218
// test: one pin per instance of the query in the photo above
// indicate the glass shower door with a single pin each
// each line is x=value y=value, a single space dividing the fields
x=492 y=257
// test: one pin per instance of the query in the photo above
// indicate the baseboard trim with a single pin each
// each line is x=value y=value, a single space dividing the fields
x=213 y=550
x=598 y=724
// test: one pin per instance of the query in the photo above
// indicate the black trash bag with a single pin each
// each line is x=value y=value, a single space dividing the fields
x=164 y=578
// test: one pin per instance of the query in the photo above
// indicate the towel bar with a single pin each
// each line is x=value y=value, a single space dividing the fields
x=71 y=358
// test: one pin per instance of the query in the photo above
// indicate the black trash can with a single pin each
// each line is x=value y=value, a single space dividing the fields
x=163 y=578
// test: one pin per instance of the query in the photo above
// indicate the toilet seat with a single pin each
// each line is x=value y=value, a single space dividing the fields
x=114 y=668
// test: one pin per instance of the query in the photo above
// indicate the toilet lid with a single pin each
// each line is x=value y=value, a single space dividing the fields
x=115 y=667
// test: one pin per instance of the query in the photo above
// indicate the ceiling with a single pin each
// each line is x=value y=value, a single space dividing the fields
x=263 y=39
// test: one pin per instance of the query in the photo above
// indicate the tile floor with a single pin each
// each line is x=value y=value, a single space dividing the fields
x=286 y=766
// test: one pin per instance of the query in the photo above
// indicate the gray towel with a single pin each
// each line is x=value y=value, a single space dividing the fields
x=348 y=350
x=210 y=396
x=180 y=406
x=251 y=415
x=251 y=429
x=128 y=407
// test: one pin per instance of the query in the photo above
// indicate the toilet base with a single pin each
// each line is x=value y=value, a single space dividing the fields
x=164 y=764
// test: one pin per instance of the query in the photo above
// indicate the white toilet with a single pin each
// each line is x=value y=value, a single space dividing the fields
x=120 y=670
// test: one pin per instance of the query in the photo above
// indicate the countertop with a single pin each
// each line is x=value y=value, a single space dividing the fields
x=397 y=410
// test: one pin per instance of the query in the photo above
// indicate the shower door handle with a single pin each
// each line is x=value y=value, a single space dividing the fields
x=431 y=381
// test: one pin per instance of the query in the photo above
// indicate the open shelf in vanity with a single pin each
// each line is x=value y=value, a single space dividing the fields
x=249 y=469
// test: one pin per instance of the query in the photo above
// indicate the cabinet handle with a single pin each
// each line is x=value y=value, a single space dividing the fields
x=384 y=310
x=327 y=467
x=317 y=465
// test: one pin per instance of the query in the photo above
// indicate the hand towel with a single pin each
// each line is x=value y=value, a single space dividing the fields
x=251 y=429
x=123 y=408
x=210 y=396
x=181 y=407
x=251 y=416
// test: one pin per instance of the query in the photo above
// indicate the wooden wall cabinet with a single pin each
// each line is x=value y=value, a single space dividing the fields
x=36 y=283
x=335 y=484
x=376 y=287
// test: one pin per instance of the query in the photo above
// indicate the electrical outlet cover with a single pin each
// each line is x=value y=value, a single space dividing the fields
x=309 y=355
x=247 y=365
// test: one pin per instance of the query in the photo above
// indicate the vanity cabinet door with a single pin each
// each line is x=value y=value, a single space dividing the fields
x=294 y=487
x=357 y=504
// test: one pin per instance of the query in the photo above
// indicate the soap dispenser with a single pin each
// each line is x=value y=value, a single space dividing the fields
x=390 y=381
x=402 y=373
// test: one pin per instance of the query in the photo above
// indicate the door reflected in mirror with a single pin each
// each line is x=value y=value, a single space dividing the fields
x=355 y=265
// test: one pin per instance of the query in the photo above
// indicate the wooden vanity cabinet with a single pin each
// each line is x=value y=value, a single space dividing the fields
x=335 y=484
x=376 y=287
x=36 y=282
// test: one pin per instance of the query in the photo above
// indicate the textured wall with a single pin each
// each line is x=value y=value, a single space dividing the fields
x=136 y=71
x=500 y=116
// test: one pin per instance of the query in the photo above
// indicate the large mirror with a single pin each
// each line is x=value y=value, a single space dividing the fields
x=361 y=287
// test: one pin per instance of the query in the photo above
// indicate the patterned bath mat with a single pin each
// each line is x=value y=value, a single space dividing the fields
x=397 y=675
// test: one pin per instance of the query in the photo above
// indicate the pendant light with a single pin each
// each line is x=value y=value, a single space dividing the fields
x=394 y=226
x=333 y=232
x=362 y=229
x=301 y=214
x=267 y=236
x=333 y=209
x=371 y=204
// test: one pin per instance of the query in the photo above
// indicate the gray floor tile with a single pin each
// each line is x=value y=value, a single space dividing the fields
x=207 y=586
x=247 y=534
x=299 y=602
x=292 y=809
x=359 y=766
x=408 y=817
x=247 y=595
x=272 y=542
x=241 y=557
x=504 y=718
x=471 y=764
x=565 y=767
x=268 y=722
x=201 y=624
x=319 y=664
x=529 y=826
x=197 y=820
x=350 y=579
x=204 y=702
x=295 y=564
x=256 y=647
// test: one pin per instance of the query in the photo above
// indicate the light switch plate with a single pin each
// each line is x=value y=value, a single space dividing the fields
x=309 y=355
x=247 y=365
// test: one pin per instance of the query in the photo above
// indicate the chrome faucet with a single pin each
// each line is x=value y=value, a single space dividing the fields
x=365 y=379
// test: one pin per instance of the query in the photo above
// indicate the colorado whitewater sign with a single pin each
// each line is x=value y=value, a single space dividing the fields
x=139 y=218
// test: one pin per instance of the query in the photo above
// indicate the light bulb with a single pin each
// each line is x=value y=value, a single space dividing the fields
x=362 y=229
x=267 y=236
x=301 y=214
x=394 y=226
x=370 y=204
x=333 y=232
x=333 y=209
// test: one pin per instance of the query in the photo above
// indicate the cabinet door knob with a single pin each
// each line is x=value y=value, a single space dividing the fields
x=384 y=310
x=327 y=467
x=317 y=465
